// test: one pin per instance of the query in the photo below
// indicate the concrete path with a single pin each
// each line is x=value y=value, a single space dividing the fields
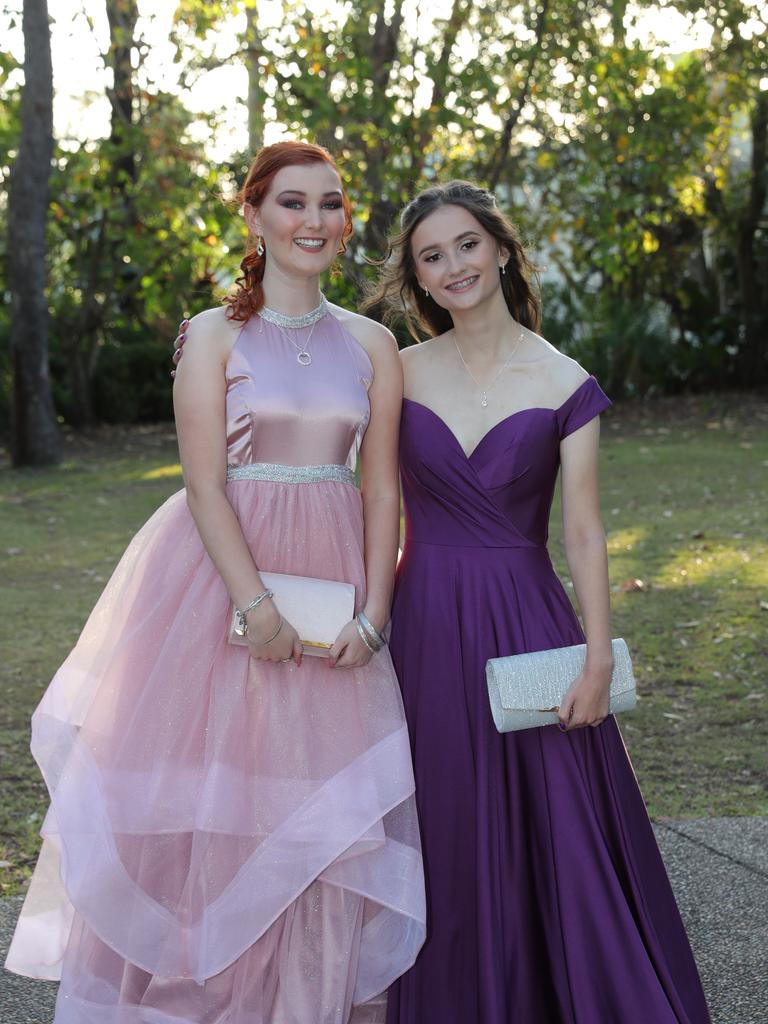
x=719 y=870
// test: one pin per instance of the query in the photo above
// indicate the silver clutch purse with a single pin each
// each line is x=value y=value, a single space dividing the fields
x=525 y=689
x=317 y=609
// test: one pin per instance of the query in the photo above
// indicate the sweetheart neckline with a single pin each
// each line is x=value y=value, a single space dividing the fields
x=499 y=423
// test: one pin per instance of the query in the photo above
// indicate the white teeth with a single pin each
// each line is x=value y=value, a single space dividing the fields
x=310 y=243
x=460 y=285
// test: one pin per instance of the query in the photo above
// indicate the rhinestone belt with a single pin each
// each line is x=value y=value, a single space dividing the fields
x=291 y=474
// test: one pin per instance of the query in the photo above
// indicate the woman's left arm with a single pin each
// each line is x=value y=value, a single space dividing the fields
x=586 y=702
x=380 y=489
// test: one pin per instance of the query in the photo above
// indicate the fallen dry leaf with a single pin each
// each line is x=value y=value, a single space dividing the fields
x=629 y=585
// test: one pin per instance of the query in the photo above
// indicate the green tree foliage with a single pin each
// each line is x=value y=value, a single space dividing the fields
x=638 y=176
x=118 y=292
x=651 y=185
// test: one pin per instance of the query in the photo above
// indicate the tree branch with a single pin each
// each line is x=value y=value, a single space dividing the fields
x=498 y=161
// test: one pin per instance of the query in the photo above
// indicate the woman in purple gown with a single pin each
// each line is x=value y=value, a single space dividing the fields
x=548 y=902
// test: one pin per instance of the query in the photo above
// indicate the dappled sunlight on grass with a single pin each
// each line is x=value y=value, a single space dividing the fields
x=626 y=540
x=744 y=563
x=161 y=472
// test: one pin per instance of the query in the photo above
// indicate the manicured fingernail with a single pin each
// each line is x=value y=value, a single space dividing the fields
x=561 y=726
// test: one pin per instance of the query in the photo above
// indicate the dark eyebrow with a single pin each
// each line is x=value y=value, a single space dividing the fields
x=458 y=238
x=298 y=192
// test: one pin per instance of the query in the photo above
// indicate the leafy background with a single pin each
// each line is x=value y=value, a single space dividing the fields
x=634 y=166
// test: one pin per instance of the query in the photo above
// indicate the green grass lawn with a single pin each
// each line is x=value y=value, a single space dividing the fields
x=684 y=492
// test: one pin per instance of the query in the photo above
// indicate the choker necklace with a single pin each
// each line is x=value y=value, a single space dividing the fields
x=302 y=320
x=484 y=390
x=284 y=322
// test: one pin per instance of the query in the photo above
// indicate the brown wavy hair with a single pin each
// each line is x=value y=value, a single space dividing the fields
x=248 y=297
x=397 y=292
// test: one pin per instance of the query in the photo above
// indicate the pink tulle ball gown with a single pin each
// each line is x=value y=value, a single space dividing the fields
x=230 y=841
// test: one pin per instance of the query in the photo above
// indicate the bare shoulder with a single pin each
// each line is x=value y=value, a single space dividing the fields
x=213 y=325
x=424 y=366
x=421 y=353
x=560 y=374
x=210 y=338
x=377 y=340
x=211 y=334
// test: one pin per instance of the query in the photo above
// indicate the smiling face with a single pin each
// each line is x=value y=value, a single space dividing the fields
x=455 y=258
x=301 y=218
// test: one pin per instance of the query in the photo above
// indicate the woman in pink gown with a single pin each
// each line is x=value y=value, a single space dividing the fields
x=232 y=834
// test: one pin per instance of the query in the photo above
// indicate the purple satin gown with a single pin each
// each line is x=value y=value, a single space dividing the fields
x=547 y=899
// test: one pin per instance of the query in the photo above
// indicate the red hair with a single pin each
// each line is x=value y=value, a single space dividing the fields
x=248 y=297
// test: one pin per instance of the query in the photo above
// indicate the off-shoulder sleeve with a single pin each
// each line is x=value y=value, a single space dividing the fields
x=587 y=401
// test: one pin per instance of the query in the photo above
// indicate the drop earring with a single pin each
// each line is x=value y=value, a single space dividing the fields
x=259 y=247
x=503 y=268
x=426 y=291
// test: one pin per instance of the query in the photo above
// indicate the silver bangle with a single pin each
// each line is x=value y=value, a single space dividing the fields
x=365 y=639
x=373 y=634
x=241 y=628
x=263 y=643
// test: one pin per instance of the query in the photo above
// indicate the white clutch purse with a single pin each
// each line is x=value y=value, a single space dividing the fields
x=317 y=609
x=525 y=689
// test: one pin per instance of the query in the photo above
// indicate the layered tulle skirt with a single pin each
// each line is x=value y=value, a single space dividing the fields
x=227 y=840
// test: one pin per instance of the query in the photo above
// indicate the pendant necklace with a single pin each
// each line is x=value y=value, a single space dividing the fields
x=285 y=322
x=484 y=390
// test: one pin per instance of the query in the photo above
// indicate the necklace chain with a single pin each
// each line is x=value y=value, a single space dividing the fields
x=484 y=390
x=303 y=355
x=285 y=322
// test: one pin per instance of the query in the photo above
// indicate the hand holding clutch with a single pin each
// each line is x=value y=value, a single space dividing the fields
x=525 y=689
x=349 y=650
x=587 y=700
x=270 y=637
x=317 y=609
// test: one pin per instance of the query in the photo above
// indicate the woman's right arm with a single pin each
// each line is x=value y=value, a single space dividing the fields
x=199 y=395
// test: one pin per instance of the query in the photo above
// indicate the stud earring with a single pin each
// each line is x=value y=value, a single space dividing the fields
x=259 y=247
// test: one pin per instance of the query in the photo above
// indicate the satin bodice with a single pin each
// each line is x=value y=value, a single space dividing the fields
x=500 y=494
x=281 y=412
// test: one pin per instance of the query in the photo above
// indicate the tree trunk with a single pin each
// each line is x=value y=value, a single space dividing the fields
x=382 y=53
x=35 y=438
x=122 y=16
x=80 y=385
x=618 y=13
x=498 y=162
x=255 y=91
x=753 y=305
x=424 y=124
